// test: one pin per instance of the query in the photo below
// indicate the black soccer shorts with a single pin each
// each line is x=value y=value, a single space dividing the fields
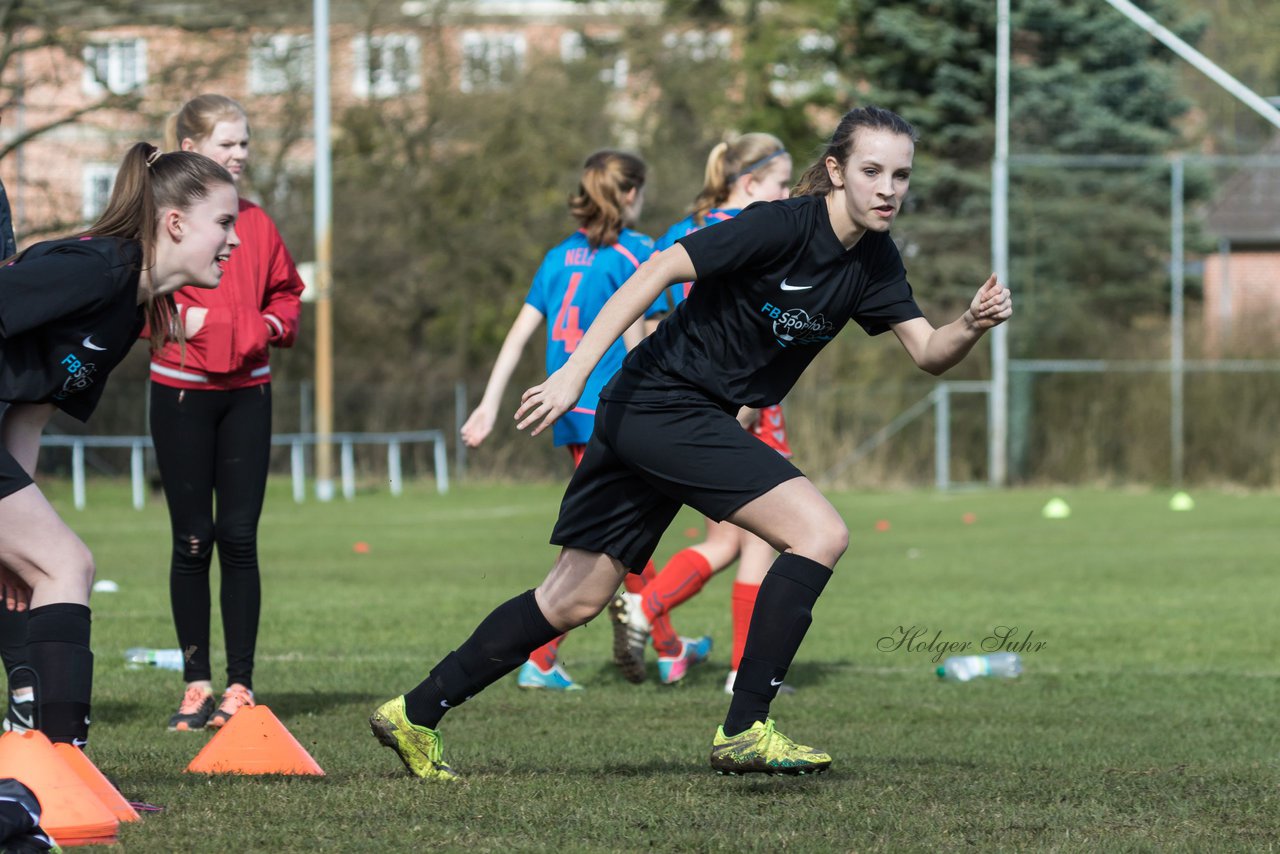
x=12 y=476
x=644 y=460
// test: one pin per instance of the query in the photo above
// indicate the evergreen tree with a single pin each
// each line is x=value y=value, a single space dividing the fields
x=1086 y=244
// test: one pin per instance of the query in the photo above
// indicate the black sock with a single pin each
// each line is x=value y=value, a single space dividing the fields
x=783 y=612
x=58 y=649
x=13 y=646
x=500 y=644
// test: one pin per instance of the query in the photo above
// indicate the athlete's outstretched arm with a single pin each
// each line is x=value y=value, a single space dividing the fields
x=937 y=350
x=481 y=421
x=544 y=403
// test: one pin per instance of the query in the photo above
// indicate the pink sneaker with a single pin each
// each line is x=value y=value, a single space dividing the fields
x=234 y=699
x=692 y=651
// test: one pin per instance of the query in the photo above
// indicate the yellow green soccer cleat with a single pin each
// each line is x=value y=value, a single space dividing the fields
x=764 y=750
x=419 y=748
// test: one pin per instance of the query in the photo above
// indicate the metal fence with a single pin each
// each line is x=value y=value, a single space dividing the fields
x=297 y=444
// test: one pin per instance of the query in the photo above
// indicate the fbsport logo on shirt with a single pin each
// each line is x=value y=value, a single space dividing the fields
x=794 y=326
x=81 y=375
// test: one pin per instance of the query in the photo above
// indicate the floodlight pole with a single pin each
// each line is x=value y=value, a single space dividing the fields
x=998 y=397
x=324 y=271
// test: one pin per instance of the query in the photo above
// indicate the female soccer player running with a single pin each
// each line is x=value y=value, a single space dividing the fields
x=774 y=285
x=572 y=284
x=755 y=167
x=69 y=312
x=211 y=424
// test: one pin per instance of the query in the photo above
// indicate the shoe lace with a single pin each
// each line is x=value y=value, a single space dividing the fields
x=235 y=697
x=774 y=742
x=192 y=700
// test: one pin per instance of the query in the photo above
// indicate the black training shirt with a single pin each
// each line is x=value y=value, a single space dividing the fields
x=774 y=286
x=68 y=314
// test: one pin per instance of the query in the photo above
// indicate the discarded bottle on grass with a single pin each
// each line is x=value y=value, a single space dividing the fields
x=962 y=668
x=139 y=657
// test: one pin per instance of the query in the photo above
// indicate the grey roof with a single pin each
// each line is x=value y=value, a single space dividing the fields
x=1246 y=209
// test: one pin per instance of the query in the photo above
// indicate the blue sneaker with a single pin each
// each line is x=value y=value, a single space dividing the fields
x=692 y=651
x=699 y=648
x=555 y=679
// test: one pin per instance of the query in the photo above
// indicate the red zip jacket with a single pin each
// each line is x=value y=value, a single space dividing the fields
x=230 y=327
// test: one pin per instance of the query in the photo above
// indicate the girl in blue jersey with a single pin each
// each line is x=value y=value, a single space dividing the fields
x=754 y=167
x=69 y=312
x=574 y=281
x=774 y=285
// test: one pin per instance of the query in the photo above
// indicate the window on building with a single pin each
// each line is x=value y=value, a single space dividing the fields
x=279 y=63
x=607 y=52
x=805 y=68
x=97 y=179
x=118 y=65
x=491 y=60
x=387 y=65
x=698 y=45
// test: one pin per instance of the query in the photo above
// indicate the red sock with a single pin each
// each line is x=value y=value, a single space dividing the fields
x=544 y=657
x=682 y=577
x=744 y=602
x=665 y=640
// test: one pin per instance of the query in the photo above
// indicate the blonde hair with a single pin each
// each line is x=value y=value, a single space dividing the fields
x=599 y=205
x=148 y=182
x=815 y=181
x=198 y=117
x=749 y=154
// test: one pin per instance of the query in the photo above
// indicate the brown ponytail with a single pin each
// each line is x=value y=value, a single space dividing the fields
x=150 y=181
x=749 y=154
x=599 y=206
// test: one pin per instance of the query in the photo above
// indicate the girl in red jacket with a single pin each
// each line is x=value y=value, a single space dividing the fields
x=211 y=424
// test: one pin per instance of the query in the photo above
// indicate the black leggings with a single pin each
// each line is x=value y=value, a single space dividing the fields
x=214 y=443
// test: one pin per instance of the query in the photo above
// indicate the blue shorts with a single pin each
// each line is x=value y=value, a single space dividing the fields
x=647 y=459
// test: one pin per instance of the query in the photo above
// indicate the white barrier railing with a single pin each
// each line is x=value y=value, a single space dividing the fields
x=296 y=442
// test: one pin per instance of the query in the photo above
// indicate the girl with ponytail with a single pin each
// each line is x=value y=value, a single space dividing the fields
x=70 y=310
x=774 y=285
x=754 y=167
x=575 y=279
x=211 y=425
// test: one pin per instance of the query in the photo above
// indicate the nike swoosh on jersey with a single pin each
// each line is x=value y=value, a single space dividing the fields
x=775 y=682
x=88 y=342
x=787 y=287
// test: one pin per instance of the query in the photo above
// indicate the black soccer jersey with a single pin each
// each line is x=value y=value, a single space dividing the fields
x=68 y=314
x=774 y=286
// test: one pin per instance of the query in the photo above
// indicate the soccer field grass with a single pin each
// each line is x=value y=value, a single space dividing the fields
x=1144 y=721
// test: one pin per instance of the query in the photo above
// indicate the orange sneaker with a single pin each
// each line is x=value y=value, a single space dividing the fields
x=234 y=699
x=194 y=710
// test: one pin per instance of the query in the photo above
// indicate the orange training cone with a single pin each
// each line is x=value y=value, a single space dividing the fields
x=97 y=782
x=71 y=813
x=254 y=742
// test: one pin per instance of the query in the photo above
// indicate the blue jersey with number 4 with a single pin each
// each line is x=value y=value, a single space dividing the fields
x=569 y=289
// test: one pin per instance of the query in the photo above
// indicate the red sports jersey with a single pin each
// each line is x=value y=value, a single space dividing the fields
x=256 y=304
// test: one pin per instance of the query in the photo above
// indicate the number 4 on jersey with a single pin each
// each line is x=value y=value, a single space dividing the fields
x=566 y=328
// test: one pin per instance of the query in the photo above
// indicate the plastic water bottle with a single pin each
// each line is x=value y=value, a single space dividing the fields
x=139 y=657
x=962 y=668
